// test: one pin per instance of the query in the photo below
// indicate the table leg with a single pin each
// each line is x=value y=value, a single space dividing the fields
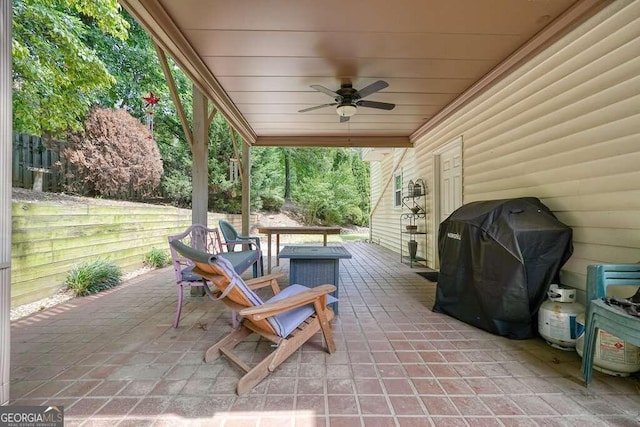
x=277 y=248
x=269 y=253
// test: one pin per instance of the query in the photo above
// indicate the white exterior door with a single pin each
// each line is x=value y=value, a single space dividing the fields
x=448 y=183
x=450 y=180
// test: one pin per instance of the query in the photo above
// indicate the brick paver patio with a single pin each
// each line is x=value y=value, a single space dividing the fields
x=114 y=359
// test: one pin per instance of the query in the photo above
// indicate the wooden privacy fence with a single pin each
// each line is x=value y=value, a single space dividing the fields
x=33 y=162
x=30 y=158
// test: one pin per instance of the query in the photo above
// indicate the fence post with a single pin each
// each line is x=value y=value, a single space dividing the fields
x=15 y=168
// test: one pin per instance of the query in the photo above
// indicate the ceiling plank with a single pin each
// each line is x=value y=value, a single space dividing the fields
x=257 y=64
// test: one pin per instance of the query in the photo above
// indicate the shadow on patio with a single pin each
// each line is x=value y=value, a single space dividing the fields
x=115 y=359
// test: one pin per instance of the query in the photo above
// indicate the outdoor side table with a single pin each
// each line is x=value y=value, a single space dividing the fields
x=315 y=265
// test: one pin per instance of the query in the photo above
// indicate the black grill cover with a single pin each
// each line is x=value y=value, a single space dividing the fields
x=497 y=260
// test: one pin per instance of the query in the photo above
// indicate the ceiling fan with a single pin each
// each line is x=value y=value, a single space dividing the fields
x=347 y=99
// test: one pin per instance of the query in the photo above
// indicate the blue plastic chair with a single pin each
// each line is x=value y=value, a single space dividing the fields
x=603 y=316
x=232 y=238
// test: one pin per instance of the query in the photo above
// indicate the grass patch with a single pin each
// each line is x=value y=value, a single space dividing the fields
x=156 y=258
x=353 y=237
x=91 y=277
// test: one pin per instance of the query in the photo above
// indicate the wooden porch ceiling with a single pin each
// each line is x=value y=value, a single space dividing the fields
x=256 y=60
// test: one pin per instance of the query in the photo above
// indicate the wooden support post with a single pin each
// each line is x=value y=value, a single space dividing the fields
x=246 y=187
x=200 y=166
x=200 y=172
x=5 y=197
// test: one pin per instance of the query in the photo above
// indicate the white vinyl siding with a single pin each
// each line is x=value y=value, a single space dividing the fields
x=564 y=127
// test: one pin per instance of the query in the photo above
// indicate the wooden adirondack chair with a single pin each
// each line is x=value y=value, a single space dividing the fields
x=288 y=319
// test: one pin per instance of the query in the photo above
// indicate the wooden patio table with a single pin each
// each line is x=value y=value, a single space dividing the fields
x=292 y=230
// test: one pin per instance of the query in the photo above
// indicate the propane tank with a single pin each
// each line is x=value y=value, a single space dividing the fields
x=611 y=355
x=557 y=318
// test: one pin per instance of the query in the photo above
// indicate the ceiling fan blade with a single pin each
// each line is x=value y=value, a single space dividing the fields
x=344 y=119
x=325 y=90
x=372 y=88
x=376 y=104
x=317 y=107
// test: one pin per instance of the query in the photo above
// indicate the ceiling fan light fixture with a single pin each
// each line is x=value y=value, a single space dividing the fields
x=346 y=110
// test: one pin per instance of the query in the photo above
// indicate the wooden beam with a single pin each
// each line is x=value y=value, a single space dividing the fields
x=212 y=114
x=174 y=94
x=335 y=141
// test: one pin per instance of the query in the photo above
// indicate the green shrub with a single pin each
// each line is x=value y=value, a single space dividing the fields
x=354 y=215
x=272 y=203
x=156 y=258
x=91 y=277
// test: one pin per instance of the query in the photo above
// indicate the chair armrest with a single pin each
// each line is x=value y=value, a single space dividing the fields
x=241 y=242
x=265 y=278
x=254 y=238
x=247 y=237
x=303 y=298
x=263 y=281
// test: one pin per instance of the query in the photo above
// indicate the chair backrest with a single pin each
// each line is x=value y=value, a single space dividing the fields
x=196 y=236
x=601 y=276
x=228 y=231
x=220 y=272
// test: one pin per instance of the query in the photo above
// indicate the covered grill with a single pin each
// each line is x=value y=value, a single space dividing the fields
x=497 y=260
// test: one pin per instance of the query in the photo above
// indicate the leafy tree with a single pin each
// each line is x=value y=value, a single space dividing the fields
x=135 y=66
x=56 y=75
x=331 y=190
x=267 y=178
x=114 y=156
x=71 y=54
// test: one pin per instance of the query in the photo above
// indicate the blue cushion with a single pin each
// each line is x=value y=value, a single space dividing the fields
x=226 y=266
x=188 y=275
x=241 y=261
x=284 y=323
x=287 y=322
